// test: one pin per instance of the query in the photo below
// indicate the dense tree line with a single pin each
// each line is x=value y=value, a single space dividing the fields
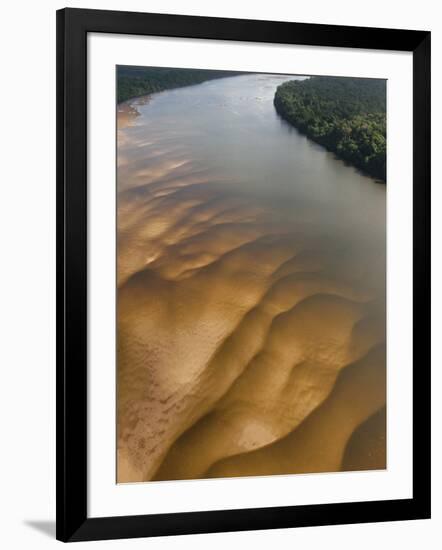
x=346 y=115
x=138 y=81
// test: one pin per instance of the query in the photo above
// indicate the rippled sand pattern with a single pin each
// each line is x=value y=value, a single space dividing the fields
x=249 y=342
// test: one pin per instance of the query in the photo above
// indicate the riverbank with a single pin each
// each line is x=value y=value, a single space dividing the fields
x=140 y=81
x=345 y=115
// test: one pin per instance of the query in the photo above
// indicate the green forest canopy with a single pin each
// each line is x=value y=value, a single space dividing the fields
x=346 y=115
x=137 y=81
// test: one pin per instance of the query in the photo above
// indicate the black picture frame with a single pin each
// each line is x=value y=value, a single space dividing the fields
x=73 y=25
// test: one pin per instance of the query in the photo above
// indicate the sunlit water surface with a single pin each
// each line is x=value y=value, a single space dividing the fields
x=251 y=292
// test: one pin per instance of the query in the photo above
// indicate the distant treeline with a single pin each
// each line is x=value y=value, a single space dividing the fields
x=346 y=115
x=138 y=81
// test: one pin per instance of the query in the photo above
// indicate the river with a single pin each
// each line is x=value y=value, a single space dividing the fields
x=251 y=297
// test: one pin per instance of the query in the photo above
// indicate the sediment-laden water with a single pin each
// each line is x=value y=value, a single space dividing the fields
x=251 y=292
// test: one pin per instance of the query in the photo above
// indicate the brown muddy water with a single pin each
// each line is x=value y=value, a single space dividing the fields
x=251 y=292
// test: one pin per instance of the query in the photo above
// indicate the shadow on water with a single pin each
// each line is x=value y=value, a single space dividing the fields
x=292 y=130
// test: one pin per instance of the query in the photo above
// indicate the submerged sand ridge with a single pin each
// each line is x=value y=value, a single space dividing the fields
x=251 y=333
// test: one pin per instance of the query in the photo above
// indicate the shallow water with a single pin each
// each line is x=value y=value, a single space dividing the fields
x=251 y=299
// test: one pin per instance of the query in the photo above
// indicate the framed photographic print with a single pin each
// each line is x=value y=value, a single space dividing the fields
x=243 y=298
